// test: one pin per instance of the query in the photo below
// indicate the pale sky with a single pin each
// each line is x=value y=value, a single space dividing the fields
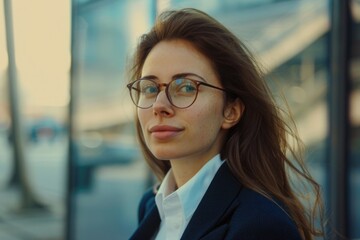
x=42 y=50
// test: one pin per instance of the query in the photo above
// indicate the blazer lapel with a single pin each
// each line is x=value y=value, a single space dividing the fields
x=216 y=202
x=148 y=226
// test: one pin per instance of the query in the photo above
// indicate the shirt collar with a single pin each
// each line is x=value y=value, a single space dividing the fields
x=167 y=186
x=191 y=193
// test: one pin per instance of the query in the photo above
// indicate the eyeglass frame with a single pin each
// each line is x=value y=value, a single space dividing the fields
x=159 y=85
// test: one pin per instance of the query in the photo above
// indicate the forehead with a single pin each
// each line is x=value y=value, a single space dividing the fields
x=169 y=58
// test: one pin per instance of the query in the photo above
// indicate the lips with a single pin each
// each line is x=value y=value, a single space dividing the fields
x=164 y=132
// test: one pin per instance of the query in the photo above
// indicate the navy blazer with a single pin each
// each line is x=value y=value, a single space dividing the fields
x=227 y=211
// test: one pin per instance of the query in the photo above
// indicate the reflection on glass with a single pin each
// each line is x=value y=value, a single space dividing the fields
x=110 y=175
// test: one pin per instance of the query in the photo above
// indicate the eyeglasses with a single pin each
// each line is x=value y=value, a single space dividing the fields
x=181 y=92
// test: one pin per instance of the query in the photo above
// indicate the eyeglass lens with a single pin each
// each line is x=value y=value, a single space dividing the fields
x=180 y=92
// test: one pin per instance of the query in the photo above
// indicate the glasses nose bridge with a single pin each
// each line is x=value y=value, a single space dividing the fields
x=162 y=86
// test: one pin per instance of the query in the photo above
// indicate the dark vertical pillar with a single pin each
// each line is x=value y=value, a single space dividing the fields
x=70 y=203
x=339 y=117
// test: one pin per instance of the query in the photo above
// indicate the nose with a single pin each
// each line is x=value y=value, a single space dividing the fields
x=162 y=105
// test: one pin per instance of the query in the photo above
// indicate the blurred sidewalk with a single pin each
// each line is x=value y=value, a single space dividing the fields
x=28 y=224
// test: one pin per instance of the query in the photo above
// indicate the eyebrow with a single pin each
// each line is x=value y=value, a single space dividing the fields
x=178 y=75
x=149 y=77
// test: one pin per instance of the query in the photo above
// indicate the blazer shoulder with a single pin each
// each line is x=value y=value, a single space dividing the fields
x=146 y=203
x=258 y=217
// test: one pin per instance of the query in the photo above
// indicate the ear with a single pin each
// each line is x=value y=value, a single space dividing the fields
x=233 y=113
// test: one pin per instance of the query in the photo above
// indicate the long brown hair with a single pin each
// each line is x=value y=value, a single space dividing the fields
x=256 y=148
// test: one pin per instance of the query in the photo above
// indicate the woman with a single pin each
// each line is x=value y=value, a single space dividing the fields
x=212 y=134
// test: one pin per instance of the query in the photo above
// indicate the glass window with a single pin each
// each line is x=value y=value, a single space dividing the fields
x=291 y=40
x=110 y=174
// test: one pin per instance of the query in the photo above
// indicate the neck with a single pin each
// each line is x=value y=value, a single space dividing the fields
x=185 y=169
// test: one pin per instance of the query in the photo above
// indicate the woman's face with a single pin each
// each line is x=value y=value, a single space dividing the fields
x=195 y=133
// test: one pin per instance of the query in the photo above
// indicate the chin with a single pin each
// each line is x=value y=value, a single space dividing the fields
x=164 y=155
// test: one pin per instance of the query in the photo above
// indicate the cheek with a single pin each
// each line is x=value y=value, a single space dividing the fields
x=209 y=119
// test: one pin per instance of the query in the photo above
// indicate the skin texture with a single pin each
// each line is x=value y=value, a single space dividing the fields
x=192 y=136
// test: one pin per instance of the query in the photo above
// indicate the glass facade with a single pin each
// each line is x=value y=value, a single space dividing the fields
x=110 y=175
x=69 y=158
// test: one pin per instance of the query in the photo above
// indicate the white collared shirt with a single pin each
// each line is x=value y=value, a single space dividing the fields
x=176 y=207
